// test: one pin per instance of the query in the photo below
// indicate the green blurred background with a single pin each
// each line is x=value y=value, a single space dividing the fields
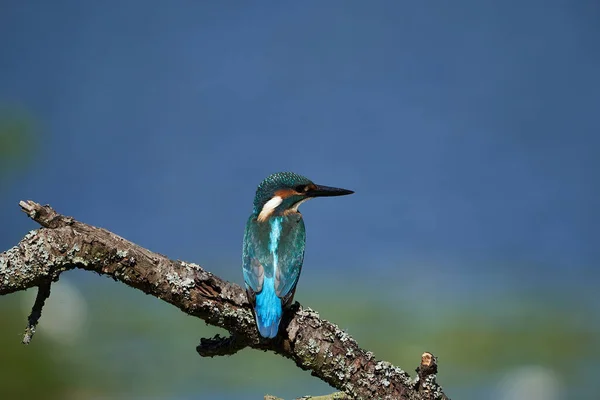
x=468 y=131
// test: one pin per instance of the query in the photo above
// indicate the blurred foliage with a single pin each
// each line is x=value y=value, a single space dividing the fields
x=16 y=140
x=28 y=371
x=484 y=337
x=136 y=346
x=25 y=371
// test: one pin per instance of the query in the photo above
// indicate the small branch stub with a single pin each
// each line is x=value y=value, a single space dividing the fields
x=426 y=383
x=36 y=311
x=44 y=215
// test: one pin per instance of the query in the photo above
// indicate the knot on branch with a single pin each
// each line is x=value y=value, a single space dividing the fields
x=220 y=346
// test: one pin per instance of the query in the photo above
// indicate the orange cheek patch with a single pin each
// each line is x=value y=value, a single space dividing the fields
x=285 y=193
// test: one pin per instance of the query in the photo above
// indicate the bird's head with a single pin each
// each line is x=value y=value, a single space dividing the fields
x=283 y=192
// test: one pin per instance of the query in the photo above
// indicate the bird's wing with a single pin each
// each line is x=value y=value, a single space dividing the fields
x=256 y=259
x=290 y=255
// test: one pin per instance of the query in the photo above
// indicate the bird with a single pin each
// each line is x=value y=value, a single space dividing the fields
x=273 y=246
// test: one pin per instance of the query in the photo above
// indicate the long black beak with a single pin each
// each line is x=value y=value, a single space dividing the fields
x=323 y=191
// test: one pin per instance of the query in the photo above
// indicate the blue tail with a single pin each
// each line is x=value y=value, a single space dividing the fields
x=268 y=310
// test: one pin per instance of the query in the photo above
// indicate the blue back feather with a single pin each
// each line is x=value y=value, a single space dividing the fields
x=272 y=261
x=268 y=310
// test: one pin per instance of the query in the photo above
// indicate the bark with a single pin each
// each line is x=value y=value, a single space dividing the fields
x=312 y=343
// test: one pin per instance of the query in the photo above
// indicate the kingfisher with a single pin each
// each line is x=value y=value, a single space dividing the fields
x=274 y=242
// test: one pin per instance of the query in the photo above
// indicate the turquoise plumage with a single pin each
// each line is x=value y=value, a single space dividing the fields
x=274 y=242
x=273 y=255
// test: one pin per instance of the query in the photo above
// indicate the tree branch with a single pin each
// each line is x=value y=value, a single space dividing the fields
x=312 y=343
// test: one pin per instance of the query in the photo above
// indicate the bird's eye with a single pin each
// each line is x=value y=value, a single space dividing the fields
x=301 y=188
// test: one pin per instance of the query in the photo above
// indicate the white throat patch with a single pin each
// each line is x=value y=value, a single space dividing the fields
x=295 y=208
x=268 y=208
